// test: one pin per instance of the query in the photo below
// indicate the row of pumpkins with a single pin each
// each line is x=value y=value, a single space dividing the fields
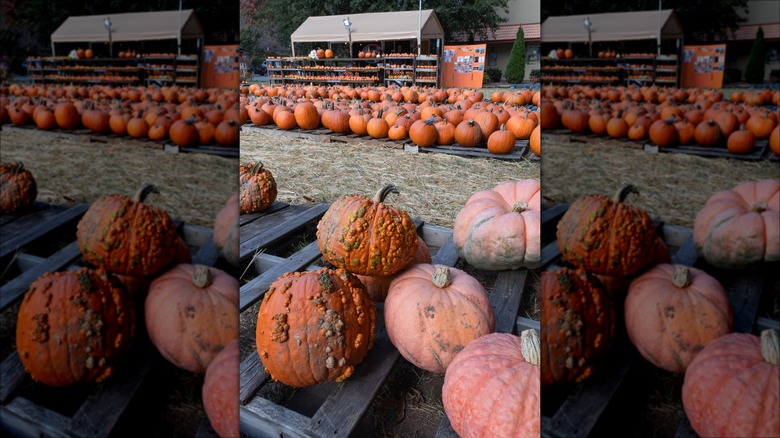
x=185 y=116
x=318 y=326
x=77 y=326
x=676 y=117
x=427 y=117
x=677 y=317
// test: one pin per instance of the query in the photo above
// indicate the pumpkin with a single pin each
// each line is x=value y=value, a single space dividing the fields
x=774 y=141
x=377 y=287
x=183 y=133
x=577 y=325
x=501 y=141
x=226 y=230
x=606 y=236
x=617 y=127
x=126 y=236
x=423 y=132
x=535 y=142
x=707 y=133
x=740 y=227
x=257 y=188
x=663 y=133
x=226 y=133
x=490 y=371
x=192 y=314
x=137 y=126
x=377 y=127
x=499 y=229
x=74 y=327
x=67 y=115
x=314 y=327
x=306 y=115
x=433 y=311
x=220 y=391
x=259 y=117
x=488 y=123
x=18 y=189
x=741 y=141
x=672 y=312
x=732 y=387
x=468 y=133
x=366 y=236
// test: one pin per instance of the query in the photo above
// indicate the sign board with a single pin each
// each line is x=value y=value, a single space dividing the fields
x=464 y=66
x=702 y=66
x=220 y=67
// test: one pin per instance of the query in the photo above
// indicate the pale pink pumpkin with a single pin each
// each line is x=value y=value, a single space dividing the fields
x=220 y=391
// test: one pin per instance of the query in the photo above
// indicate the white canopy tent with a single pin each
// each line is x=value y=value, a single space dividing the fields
x=613 y=26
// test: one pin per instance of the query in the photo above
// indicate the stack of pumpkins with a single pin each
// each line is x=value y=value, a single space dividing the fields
x=76 y=327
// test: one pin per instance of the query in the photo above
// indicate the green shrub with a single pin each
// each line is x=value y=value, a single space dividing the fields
x=493 y=74
x=515 y=70
x=754 y=70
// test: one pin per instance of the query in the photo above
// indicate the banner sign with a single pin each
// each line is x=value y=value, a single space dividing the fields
x=702 y=66
x=464 y=66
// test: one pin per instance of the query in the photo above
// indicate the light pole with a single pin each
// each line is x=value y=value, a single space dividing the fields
x=588 y=25
x=107 y=24
x=348 y=26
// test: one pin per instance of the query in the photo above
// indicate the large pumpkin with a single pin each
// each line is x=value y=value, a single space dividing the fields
x=191 y=314
x=366 y=236
x=18 y=189
x=314 y=327
x=257 y=188
x=432 y=312
x=732 y=387
x=577 y=326
x=226 y=230
x=126 y=236
x=672 y=312
x=741 y=226
x=220 y=392
x=377 y=287
x=606 y=236
x=489 y=372
x=499 y=229
x=74 y=327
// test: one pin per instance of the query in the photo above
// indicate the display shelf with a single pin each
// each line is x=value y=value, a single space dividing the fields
x=386 y=69
x=136 y=70
x=603 y=71
x=426 y=70
x=660 y=68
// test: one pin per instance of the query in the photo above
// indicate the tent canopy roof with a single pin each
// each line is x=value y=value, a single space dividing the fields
x=613 y=26
x=378 y=26
x=131 y=26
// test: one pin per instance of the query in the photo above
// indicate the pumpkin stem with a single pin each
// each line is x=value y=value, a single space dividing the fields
x=442 y=277
x=760 y=206
x=18 y=167
x=384 y=191
x=681 y=277
x=621 y=195
x=520 y=207
x=201 y=278
x=770 y=346
x=257 y=168
x=145 y=191
x=529 y=346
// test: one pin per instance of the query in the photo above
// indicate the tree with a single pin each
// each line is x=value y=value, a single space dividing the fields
x=515 y=70
x=754 y=70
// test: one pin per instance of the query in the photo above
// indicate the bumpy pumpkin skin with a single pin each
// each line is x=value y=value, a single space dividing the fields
x=18 y=189
x=740 y=227
x=606 y=236
x=670 y=320
x=257 y=188
x=74 y=327
x=480 y=382
x=125 y=236
x=192 y=314
x=499 y=229
x=577 y=326
x=220 y=392
x=377 y=287
x=430 y=324
x=731 y=390
x=366 y=236
x=226 y=230
x=314 y=327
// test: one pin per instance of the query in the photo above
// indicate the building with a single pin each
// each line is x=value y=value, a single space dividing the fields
x=760 y=13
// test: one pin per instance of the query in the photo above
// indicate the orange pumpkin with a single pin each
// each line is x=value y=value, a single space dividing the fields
x=18 y=188
x=257 y=187
x=226 y=230
x=501 y=141
x=377 y=286
x=535 y=142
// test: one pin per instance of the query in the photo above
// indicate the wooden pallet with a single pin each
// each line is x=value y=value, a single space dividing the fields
x=577 y=408
x=758 y=152
x=330 y=409
x=28 y=408
x=519 y=152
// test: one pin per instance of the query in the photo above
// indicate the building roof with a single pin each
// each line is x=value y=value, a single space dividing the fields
x=613 y=26
x=378 y=26
x=506 y=33
x=747 y=32
x=131 y=26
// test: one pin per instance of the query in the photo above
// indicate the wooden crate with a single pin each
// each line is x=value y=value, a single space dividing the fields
x=577 y=408
x=40 y=240
x=330 y=409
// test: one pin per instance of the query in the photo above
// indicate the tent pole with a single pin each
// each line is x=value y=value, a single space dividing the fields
x=178 y=40
x=659 y=26
x=52 y=48
x=419 y=29
x=292 y=44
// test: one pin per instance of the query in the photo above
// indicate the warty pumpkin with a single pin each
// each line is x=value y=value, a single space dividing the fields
x=74 y=327
x=226 y=230
x=499 y=228
x=490 y=371
x=220 y=392
x=257 y=188
x=18 y=188
x=366 y=236
x=433 y=311
x=192 y=314
x=314 y=327
x=377 y=286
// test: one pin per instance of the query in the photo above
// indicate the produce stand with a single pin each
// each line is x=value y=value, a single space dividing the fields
x=421 y=70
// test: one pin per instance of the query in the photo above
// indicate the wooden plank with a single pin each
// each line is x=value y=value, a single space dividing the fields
x=505 y=298
x=13 y=244
x=26 y=261
x=263 y=222
x=525 y=324
x=21 y=417
x=195 y=235
x=252 y=376
x=516 y=155
x=207 y=254
x=12 y=290
x=35 y=210
x=445 y=429
x=103 y=407
x=766 y=323
x=249 y=217
x=687 y=254
x=744 y=297
x=255 y=288
x=720 y=152
x=447 y=254
x=281 y=230
x=264 y=418
x=553 y=213
x=434 y=235
x=684 y=430
x=12 y=375
x=550 y=253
